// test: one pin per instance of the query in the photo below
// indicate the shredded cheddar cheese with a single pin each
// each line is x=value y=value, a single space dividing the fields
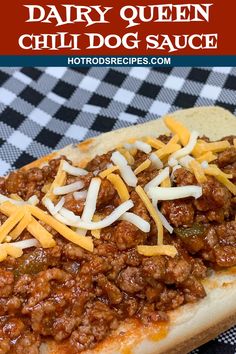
x=15 y=196
x=21 y=226
x=207 y=156
x=174 y=140
x=119 y=185
x=222 y=177
x=203 y=147
x=228 y=184
x=198 y=171
x=214 y=170
x=133 y=151
x=13 y=251
x=59 y=181
x=37 y=230
x=127 y=155
x=96 y=233
x=167 y=150
x=166 y=183
x=3 y=252
x=179 y=129
x=46 y=188
x=11 y=222
x=65 y=231
x=143 y=166
x=155 y=143
x=143 y=196
x=109 y=170
x=216 y=146
x=7 y=249
x=159 y=250
x=41 y=234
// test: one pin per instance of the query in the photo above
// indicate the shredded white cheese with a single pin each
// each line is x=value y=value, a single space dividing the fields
x=91 y=199
x=80 y=195
x=108 y=220
x=156 y=161
x=69 y=215
x=136 y=220
x=164 y=221
x=64 y=220
x=54 y=209
x=184 y=161
x=33 y=200
x=3 y=199
x=188 y=148
x=158 y=179
x=59 y=205
x=81 y=232
x=140 y=145
x=125 y=170
x=172 y=176
x=32 y=242
x=172 y=162
x=72 y=170
x=161 y=193
x=69 y=188
x=49 y=205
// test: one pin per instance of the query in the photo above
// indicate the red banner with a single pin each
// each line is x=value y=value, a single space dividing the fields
x=128 y=28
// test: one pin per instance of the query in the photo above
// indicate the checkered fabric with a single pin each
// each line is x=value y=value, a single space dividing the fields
x=42 y=109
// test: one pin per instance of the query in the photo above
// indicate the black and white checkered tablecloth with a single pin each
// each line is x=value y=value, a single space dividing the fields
x=42 y=109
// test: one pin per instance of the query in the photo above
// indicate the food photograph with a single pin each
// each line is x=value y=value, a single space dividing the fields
x=117 y=210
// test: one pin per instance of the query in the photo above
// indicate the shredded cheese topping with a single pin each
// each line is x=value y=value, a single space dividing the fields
x=108 y=220
x=188 y=148
x=155 y=143
x=136 y=220
x=66 y=232
x=214 y=170
x=156 y=161
x=34 y=227
x=207 y=156
x=96 y=233
x=143 y=166
x=127 y=155
x=140 y=145
x=202 y=147
x=109 y=170
x=11 y=222
x=198 y=171
x=172 y=193
x=228 y=184
x=126 y=172
x=72 y=170
x=159 y=250
x=166 y=183
x=183 y=149
x=167 y=150
x=143 y=196
x=69 y=188
x=179 y=129
x=158 y=179
x=80 y=195
x=91 y=199
x=120 y=186
x=24 y=222
x=58 y=182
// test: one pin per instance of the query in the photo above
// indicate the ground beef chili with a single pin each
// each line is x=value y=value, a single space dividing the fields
x=76 y=297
